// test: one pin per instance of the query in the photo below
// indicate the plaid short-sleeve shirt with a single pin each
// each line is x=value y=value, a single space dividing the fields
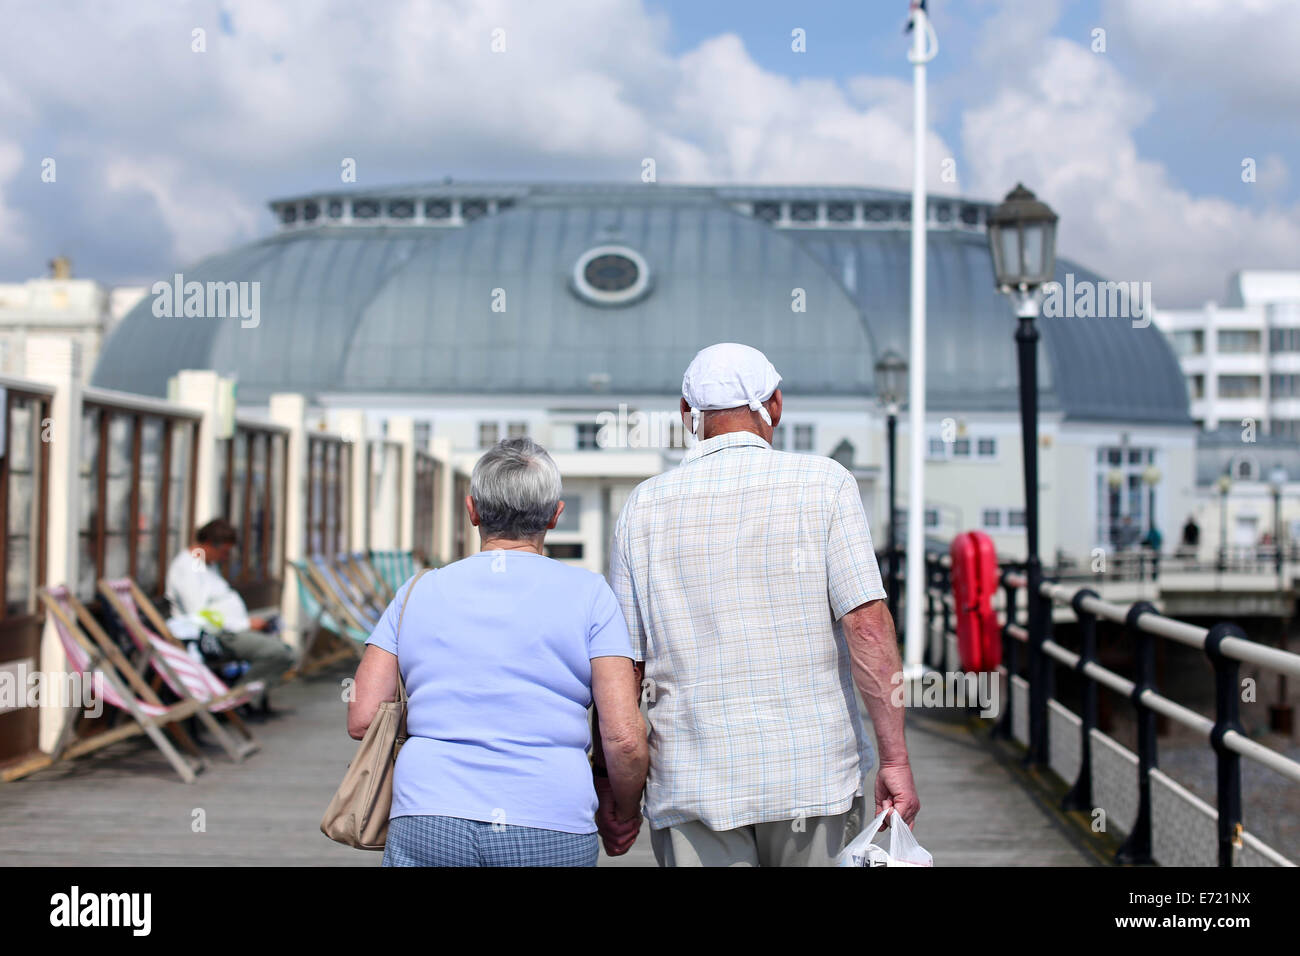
x=733 y=571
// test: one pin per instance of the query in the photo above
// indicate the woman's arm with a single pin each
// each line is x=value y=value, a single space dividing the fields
x=622 y=740
x=376 y=682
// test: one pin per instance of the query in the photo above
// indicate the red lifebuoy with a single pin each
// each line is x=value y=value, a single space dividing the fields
x=974 y=582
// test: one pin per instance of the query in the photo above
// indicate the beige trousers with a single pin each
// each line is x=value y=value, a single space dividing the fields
x=810 y=841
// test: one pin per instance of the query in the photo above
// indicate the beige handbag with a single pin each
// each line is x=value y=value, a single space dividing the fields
x=358 y=814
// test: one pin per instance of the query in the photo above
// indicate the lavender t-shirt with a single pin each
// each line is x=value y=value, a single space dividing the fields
x=496 y=653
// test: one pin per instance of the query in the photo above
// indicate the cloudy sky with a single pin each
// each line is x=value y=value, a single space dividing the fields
x=163 y=154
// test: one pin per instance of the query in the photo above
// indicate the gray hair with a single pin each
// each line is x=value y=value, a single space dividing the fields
x=515 y=487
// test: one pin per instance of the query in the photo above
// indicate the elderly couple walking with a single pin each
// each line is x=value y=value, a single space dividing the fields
x=744 y=606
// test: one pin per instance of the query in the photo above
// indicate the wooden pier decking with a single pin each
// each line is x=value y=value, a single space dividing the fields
x=125 y=806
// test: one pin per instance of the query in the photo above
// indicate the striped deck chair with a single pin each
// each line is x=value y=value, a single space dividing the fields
x=196 y=680
x=122 y=687
x=395 y=567
x=345 y=603
x=378 y=586
x=363 y=591
x=323 y=616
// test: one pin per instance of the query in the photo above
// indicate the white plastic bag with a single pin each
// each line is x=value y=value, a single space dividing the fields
x=903 y=848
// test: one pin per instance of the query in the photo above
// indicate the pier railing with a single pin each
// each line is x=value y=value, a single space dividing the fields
x=1169 y=824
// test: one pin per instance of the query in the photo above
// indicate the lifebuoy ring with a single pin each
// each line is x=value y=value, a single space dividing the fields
x=974 y=582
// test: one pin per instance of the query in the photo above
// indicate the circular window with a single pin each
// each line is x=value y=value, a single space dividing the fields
x=611 y=275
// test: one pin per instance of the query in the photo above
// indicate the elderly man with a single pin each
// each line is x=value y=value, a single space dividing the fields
x=754 y=601
x=200 y=596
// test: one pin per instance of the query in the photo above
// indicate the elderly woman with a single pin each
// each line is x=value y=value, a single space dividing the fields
x=502 y=653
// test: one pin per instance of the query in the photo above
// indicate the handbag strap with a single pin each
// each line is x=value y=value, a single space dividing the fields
x=401 y=684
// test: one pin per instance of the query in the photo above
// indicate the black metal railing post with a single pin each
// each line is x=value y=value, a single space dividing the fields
x=1227 y=691
x=1010 y=658
x=1137 y=847
x=1080 y=795
x=1040 y=616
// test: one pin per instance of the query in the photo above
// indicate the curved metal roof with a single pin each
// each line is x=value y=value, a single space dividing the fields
x=410 y=309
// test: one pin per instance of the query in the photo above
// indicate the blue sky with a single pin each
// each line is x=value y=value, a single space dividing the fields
x=166 y=153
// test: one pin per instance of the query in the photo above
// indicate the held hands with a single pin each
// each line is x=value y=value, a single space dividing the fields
x=618 y=834
x=895 y=790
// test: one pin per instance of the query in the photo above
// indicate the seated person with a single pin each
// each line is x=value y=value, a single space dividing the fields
x=199 y=593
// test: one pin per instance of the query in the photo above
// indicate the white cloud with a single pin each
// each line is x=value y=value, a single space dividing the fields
x=584 y=89
x=1068 y=133
x=12 y=231
x=1239 y=51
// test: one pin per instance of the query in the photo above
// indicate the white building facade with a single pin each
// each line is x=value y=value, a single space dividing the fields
x=1242 y=358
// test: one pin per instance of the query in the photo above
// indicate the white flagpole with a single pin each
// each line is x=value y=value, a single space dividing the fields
x=915 y=637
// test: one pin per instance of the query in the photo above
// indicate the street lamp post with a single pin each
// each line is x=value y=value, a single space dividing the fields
x=891 y=385
x=1022 y=239
x=1151 y=477
x=1224 y=485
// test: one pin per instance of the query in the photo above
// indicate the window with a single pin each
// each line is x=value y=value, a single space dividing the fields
x=251 y=490
x=571 y=520
x=472 y=209
x=1015 y=518
x=767 y=211
x=140 y=466
x=517 y=430
x=876 y=212
x=1195 y=387
x=803 y=438
x=423 y=432
x=1245 y=468
x=611 y=276
x=288 y=214
x=1189 y=342
x=961 y=448
x=1239 y=386
x=564 y=552
x=401 y=209
x=586 y=435
x=329 y=496
x=489 y=433
x=335 y=208
x=840 y=212
x=803 y=211
x=437 y=209
x=1284 y=340
x=1238 y=340
x=310 y=210
x=428 y=484
x=932 y=517
x=365 y=209
x=987 y=447
x=1284 y=386
x=991 y=518
x=1286 y=427
x=778 y=438
x=937 y=448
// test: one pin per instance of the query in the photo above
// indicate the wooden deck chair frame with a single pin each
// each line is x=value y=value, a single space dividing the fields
x=140 y=637
x=338 y=603
x=350 y=647
x=363 y=581
x=107 y=660
x=380 y=586
x=350 y=576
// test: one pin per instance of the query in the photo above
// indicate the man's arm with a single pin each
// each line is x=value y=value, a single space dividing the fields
x=877 y=670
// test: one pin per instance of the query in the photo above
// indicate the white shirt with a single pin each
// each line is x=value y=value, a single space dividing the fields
x=194 y=586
